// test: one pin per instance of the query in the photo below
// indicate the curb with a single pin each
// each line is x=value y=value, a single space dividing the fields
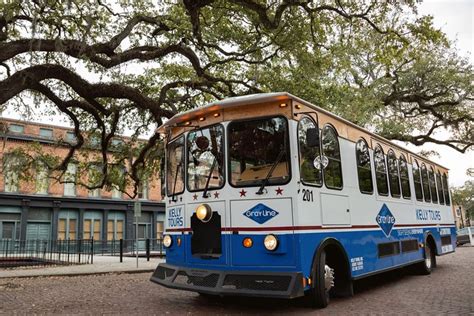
x=78 y=274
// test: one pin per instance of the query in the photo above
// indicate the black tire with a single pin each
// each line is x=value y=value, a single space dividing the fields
x=429 y=262
x=318 y=296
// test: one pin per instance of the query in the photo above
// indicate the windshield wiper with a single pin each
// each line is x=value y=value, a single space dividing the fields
x=208 y=180
x=269 y=174
x=175 y=180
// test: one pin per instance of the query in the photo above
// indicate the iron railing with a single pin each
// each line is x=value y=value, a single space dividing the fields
x=15 y=253
x=81 y=251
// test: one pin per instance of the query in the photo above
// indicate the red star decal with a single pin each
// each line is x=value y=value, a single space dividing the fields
x=195 y=197
x=242 y=193
x=279 y=191
x=216 y=195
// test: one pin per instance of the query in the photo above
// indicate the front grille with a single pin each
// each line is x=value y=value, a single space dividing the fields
x=257 y=282
x=206 y=237
x=205 y=281
x=162 y=273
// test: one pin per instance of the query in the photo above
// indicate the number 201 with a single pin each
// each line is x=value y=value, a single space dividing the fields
x=307 y=195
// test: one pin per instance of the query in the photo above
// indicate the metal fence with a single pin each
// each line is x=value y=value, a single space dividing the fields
x=129 y=247
x=14 y=253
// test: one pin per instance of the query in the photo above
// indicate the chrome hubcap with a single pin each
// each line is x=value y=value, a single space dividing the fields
x=328 y=277
x=428 y=257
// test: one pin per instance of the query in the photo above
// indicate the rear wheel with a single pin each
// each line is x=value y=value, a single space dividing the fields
x=323 y=281
x=429 y=263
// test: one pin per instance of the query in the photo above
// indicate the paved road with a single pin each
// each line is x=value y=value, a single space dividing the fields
x=450 y=289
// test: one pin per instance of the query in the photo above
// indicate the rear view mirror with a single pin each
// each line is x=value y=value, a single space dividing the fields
x=312 y=137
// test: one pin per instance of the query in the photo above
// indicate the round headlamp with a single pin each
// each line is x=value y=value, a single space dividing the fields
x=204 y=213
x=167 y=241
x=270 y=242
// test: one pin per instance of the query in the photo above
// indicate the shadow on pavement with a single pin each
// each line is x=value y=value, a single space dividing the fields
x=267 y=305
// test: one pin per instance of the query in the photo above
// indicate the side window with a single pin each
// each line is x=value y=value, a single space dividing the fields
x=446 y=189
x=404 y=179
x=426 y=186
x=333 y=171
x=440 y=188
x=417 y=180
x=380 y=171
x=308 y=173
x=434 y=194
x=393 y=176
x=363 y=167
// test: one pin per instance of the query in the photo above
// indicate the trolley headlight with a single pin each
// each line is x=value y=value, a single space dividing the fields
x=204 y=213
x=270 y=242
x=167 y=241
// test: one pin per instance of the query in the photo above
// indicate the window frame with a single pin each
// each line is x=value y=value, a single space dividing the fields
x=439 y=183
x=362 y=139
x=299 y=151
x=44 y=129
x=391 y=153
x=447 y=198
x=224 y=157
x=21 y=126
x=403 y=158
x=378 y=146
x=423 y=183
x=227 y=153
x=418 y=168
x=340 y=157
x=183 y=165
x=432 y=181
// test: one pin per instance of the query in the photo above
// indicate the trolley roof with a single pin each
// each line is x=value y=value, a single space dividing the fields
x=268 y=97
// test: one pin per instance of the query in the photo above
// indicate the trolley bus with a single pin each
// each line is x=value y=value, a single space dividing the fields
x=269 y=195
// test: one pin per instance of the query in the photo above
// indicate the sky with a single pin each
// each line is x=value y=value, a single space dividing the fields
x=456 y=19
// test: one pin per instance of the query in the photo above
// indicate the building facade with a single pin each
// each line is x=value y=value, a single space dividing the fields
x=44 y=209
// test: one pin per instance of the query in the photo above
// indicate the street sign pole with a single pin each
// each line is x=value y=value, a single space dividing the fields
x=137 y=207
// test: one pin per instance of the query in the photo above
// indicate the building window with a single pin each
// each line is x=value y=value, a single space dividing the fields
x=46 y=133
x=425 y=183
x=11 y=172
x=143 y=189
x=160 y=228
x=333 y=171
x=417 y=181
x=440 y=188
x=70 y=180
x=71 y=137
x=16 y=128
x=92 y=225
x=67 y=225
x=115 y=226
x=393 y=177
x=95 y=178
x=432 y=181
x=42 y=178
x=117 y=142
x=308 y=173
x=446 y=189
x=404 y=178
x=94 y=141
x=380 y=171
x=364 y=169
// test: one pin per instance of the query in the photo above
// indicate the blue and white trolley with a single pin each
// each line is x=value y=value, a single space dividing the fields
x=269 y=195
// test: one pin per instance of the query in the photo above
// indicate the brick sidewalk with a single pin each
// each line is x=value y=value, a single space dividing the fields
x=102 y=264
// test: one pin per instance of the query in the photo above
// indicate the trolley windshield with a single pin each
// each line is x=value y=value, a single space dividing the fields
x=259 y=152
x=205 y=158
